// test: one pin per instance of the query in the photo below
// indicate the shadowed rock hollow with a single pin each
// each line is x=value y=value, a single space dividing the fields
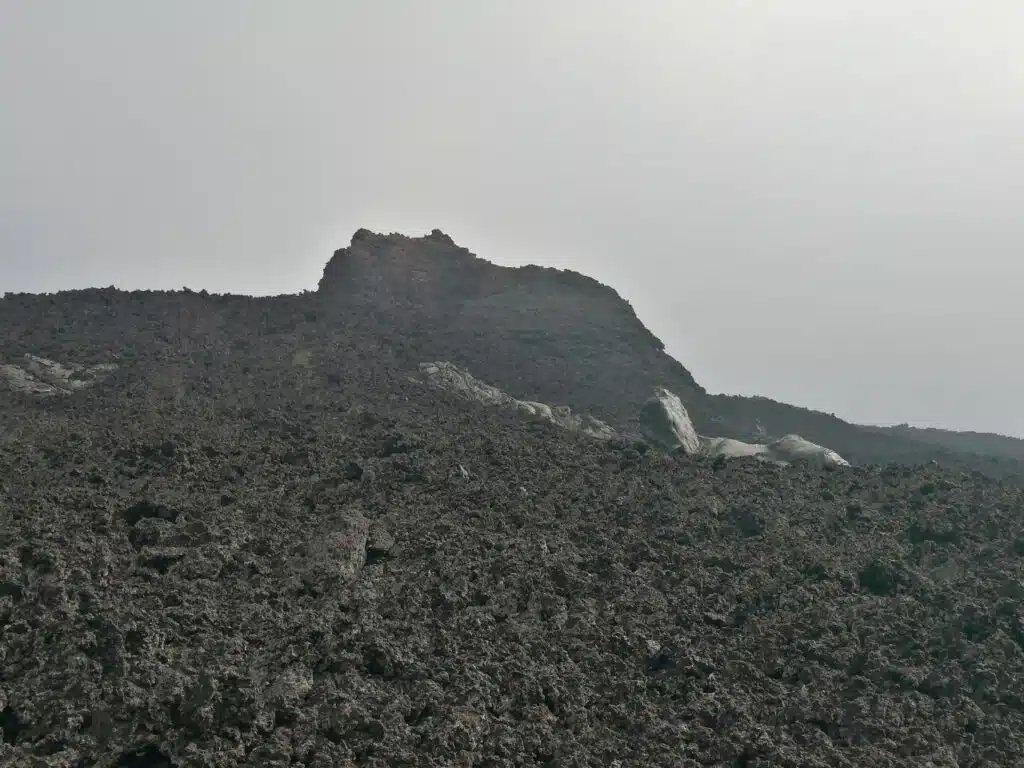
x=264 y=540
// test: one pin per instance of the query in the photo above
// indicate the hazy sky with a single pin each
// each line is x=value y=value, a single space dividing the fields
x=814 y=200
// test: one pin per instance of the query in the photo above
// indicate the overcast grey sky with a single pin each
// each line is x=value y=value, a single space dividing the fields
x=814 y=200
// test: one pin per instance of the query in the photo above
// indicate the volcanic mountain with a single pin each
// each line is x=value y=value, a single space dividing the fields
x=562 y=337
x=242 y=531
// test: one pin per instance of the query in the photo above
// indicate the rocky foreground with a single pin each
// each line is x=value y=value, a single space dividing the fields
x=384 y=574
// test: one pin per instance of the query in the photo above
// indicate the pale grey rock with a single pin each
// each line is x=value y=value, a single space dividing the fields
x=596 y=428
x=663 y=419
x=451 y=377
x=19 y=380
x=790 y=449
x=43 y=377
x=665 y=422
x=445 y=375
x=793 y=448
x=728 y=448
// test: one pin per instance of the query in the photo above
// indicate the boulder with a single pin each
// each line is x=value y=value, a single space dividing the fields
x=728 y=448
x=793 y=449
x=663 y=419
x=18 y=379
x=665 y=422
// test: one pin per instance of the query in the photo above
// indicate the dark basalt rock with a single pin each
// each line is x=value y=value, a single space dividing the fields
x=484 y=590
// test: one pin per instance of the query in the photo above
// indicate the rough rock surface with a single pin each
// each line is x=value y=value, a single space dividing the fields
x=258 y=543
x=319 y=583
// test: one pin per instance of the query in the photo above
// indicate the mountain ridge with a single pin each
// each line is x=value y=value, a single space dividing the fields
x=535 y=332
x=501 y=298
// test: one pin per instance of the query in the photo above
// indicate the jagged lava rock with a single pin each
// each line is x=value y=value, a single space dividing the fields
x=300 y=556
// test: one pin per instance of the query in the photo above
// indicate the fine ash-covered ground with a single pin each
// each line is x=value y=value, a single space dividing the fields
x=273 y=548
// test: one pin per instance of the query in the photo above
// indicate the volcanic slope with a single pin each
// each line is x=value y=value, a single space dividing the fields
x=260 y=541
x=539 y=334
x=563 y=338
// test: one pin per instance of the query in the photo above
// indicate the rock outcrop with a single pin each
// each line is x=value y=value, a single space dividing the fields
x=791 y=449
x=663 y=420
x=448 y=376
x=666 y=423
x=727 y=448
x=555 y=336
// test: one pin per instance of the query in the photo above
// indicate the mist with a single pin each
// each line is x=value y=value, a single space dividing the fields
x=815 y=202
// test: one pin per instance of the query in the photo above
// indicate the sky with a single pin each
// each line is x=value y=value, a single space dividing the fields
x=818 y=202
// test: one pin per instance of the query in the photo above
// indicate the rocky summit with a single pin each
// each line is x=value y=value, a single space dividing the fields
x=443 y=513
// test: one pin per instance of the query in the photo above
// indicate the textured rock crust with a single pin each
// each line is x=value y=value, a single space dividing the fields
x=381 y=575
x=258 y=543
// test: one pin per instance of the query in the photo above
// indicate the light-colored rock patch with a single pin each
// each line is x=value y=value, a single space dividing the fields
x=20 y=380
x=448 y=376
x=665 y=422
x=728 y=448
x=663 y=419
x=791 y=449
x=43 y=377
x=451 y=377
